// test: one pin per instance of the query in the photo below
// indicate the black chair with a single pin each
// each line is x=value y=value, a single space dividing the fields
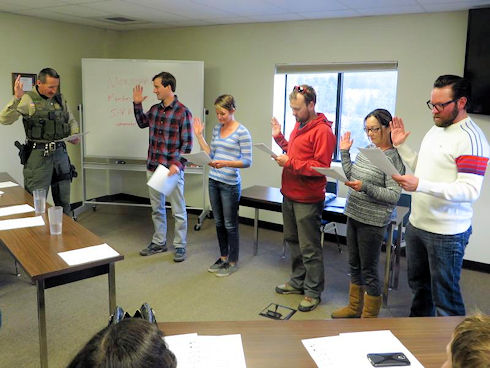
x=326 y=226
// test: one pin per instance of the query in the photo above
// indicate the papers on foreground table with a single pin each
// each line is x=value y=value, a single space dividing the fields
x=160 y=181
x=14 y=210
x=88 y=254
x=7 y=184
x=21 y=222
x=348 y=350
x=193 y=350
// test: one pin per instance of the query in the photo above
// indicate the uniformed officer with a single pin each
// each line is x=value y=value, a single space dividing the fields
x=47 y=121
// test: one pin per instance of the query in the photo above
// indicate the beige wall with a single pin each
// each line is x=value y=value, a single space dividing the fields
x=240 y=59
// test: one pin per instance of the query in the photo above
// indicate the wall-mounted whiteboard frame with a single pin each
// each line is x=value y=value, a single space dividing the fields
x=108 y=102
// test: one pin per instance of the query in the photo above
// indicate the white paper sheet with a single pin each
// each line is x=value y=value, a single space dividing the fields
x=266 y=149
x=161 y=182
x=21 y=222
x=88 y=254
x=198 y=158
x=14 y=210
x=333 y=172
x=73 y=136
x=7 y=184
x=379 y=159
x=1 y=192
x=338 y=351
x=192 y=350
x=185 y=349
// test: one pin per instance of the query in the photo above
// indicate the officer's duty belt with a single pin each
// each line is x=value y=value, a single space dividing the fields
x=50 y=146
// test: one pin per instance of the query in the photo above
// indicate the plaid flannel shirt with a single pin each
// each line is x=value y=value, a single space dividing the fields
x=170 y=133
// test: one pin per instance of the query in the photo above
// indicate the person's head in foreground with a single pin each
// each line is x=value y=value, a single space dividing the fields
x=130 y=343
x=470 y=344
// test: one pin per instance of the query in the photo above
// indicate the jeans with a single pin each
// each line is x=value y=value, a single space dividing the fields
x=302 y=234
x=434 y=269
x=224 y=200
x=364 y=244
x=159 y=213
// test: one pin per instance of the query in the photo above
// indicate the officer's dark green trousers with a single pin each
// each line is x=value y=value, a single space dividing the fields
x=42 y=172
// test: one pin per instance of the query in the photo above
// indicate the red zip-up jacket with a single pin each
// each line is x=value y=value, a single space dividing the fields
x=310 y=146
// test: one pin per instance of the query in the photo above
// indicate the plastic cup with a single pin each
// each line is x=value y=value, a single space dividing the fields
x=39 y=200
x=55 y=215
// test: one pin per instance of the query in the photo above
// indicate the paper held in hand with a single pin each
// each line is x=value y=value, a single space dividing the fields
x=333 y=172
x=263 y=147
x=73 y=136
x=161 y=182
x=199 y=158
x=380 y=160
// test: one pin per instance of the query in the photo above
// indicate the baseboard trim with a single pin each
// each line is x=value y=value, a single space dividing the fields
x=476 y=266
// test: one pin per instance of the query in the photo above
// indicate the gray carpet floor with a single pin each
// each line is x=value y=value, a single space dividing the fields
x=177 y=291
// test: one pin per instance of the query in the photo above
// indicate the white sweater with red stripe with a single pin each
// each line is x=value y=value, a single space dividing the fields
x=450 y=166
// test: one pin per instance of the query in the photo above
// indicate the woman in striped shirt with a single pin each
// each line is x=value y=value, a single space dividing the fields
x=230 y=150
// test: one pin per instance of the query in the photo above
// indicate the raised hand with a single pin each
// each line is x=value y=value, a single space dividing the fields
x=138 y=94
x=345 y=141
x=18 y=88
x=398 y=133
x=276 y=127
x=198 y=126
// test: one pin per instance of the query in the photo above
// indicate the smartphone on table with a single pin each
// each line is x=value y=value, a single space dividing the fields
x=388 y=359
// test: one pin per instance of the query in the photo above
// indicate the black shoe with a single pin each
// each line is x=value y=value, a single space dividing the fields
x=152 y=249
x=215 y=267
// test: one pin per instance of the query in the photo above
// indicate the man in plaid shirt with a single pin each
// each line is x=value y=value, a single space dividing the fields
x=169 y=124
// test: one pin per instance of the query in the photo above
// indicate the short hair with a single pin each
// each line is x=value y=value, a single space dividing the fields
x=130 y=343
x=167 y=79
x=470 y=346
x=461 y=87
x=307 y=91
x=383 y=116
x=226 y=102
x=47 y=72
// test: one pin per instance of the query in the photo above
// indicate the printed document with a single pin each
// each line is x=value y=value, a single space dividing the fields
x=161 y=182
x=199 y=158
x=7 y=184
x=14 y=210
x=379 y=159
x=88 y=254
x=21 y=222
x=263 y=147
x=333 y=172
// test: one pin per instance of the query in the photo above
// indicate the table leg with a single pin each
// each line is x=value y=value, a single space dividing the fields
x=256 y=231
x=112 y=287
x=41 y=316
x=396 y=269
x=386 y=283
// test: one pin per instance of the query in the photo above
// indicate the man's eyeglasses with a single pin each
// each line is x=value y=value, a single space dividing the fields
x=439 y=106
x=372 y=130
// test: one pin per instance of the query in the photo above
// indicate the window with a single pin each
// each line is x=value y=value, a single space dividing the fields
x=345 y=97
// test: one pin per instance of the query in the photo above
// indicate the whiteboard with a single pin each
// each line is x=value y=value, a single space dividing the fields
x=108 y=102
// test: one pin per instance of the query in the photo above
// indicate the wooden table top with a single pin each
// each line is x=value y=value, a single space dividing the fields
x=35 y=248
x=268 y=343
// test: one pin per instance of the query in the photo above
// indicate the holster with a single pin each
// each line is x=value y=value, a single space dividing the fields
x=24 y=151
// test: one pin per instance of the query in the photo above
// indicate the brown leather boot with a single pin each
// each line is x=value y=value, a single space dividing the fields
x=354 y=309
x=372 y=305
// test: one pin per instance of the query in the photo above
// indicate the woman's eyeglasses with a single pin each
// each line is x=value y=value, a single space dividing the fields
x=372 y=130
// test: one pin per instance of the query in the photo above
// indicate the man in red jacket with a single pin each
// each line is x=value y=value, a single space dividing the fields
x=311 y=144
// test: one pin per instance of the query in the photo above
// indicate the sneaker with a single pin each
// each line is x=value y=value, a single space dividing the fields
x=216 y=265
x=287 y=289
x=226 y=270
x=152 y=249
x=179 y=255
x=308 y=303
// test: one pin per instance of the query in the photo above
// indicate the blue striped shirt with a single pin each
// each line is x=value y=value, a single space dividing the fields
x=235 y=147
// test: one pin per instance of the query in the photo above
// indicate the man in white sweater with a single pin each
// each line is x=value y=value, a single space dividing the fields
x=448 y=176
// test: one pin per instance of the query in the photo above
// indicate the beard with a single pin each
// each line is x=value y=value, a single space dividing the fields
x=444 y=123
